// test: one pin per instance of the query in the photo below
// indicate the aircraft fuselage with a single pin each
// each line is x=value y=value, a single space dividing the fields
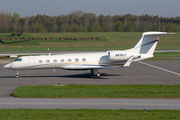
x=84 y=61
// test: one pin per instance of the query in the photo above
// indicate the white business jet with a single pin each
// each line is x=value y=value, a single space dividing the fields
x=144 y=49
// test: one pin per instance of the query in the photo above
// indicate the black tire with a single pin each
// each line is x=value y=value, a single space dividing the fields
x=17 y=76
x=98 y=75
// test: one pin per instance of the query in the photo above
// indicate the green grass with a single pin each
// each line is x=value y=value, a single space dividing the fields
x=108 y=91
x=87 y=114
x=23 y=48
x=164 y=56
x=167 y=54
x=108 y=41
x=159 y=59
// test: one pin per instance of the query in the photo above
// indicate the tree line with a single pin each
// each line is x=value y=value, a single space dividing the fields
x=79 y=21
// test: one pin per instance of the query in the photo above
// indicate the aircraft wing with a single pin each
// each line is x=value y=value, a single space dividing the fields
x=89 y=67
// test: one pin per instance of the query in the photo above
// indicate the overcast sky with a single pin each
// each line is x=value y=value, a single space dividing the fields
x=164 y=8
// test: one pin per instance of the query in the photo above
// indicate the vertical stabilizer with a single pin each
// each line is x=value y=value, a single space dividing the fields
x=147 y=43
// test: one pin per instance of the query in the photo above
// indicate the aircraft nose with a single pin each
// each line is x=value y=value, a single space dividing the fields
x=7 y=65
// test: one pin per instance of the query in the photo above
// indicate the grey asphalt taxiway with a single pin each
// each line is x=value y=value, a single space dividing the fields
x=146 y=72
x=42 y=103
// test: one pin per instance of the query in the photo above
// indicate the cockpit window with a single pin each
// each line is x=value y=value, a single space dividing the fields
x=18 y=59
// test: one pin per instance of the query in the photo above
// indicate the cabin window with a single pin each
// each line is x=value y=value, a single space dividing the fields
x=54 y=60
x=47 y=61
x=69 y=60
x=40 y=61
x=18 y=59
x=76 y=60
x=62 y=60
x=84 y=59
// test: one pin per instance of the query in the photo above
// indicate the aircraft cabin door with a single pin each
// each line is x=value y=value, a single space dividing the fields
x=31 y=61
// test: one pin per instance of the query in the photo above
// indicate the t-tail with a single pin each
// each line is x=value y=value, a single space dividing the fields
x=148 y=42
x=145 y=47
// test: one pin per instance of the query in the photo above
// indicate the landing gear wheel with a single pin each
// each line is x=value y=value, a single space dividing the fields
x=98 y=75
x=95 y=72
x=17 y=76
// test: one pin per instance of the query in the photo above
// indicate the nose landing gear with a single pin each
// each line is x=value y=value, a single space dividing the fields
x=17 y=74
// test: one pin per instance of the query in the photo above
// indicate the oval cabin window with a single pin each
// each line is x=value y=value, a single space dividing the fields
x=47 y=61
x=62 y=60
x=76 y=60
x=54 y=60
x=84 y=59
x=69 y=60
x=40 y=61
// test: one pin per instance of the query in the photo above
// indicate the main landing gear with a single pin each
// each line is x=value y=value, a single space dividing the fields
x=95 y=73
x=17 y=74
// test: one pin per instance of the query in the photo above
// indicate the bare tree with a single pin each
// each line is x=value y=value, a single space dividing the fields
x=26 y=24
x=71 y=20
x=16 y=18
x=126 y=24
x=54 y=24
x=109 y=23
x=63 y=21
x=137 y=24
x=78 y=13
x=85 y=21
x=1 y=21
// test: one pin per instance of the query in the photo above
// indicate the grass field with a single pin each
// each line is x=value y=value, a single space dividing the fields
x=108 y=41
x=107 y=91
x=165 y=56
x=85 y=114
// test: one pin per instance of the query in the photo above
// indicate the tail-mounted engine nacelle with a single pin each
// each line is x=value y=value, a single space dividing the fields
x=118 y=55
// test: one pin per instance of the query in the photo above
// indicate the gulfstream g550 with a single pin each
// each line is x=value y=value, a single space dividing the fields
x=144 y=49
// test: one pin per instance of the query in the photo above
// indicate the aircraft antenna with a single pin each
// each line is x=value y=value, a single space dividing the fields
x=50 y=52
